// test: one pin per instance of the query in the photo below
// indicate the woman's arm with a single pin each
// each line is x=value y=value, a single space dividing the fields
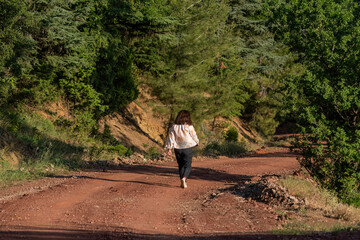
x=193 y=134
x=170 y=140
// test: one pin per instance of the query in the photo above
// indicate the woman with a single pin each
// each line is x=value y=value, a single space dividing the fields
x=182 y=137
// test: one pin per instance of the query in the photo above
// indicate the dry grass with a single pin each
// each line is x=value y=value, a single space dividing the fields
x=320 y=200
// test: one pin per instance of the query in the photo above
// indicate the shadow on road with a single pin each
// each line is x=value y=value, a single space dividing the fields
x=273 y=155
x=37 y=233
x=197 y=173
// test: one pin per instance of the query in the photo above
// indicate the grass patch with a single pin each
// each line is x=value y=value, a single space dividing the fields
x=27 y=172
x=44 y=165
x=43 y=148
x=317 y=198
x=297 y=227
x=294 y=228
x=323 y=211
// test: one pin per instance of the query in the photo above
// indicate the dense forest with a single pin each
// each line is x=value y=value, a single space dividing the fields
x=269 y=62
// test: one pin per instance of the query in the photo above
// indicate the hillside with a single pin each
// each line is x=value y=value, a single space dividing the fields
x=141 y=126
x=138 y=125
x=39 y=141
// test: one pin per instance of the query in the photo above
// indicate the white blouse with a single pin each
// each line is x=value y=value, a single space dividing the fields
x=181 y=137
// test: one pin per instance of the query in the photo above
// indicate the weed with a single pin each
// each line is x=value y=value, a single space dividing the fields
x=26 y=171
x=108 y=137
x=120 y=150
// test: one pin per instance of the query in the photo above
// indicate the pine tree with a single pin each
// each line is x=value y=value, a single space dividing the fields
x=266 y=61
x=202 y=74
x=72 y=46
x=11 y=38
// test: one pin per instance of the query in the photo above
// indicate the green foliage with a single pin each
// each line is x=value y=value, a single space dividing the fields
x=198 y=55
x=267 y=62
x=193 y=63
x=263 y=119
x=152 y=153
x=231 y=135
x=43 y=149
x=326 y=37
x=120 y=150
x=229 y=149
x=107 y=137
x=52 y=48
x=7 y=87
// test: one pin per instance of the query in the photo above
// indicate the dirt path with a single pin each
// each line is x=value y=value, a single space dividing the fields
x=146 y=202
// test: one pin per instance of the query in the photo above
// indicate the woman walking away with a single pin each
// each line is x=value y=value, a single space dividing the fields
x=182 y=137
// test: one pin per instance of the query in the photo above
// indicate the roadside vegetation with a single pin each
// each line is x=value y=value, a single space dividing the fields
x=325 y=37
x=227 y=145
x=323 y=211
x=34 y=147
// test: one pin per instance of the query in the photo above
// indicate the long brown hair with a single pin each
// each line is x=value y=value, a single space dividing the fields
x=183 y=117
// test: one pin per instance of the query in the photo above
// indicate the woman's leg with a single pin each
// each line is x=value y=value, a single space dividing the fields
x=180 y=160
x=188 y=155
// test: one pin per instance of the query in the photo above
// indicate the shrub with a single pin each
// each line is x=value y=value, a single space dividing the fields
x=108 y=137
x=152 y=153
x=229 y=149
x=334 y=164
x=231 y=135
x=119 y=149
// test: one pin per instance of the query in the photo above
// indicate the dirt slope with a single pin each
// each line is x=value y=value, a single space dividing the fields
x=140 y=125
x=146 y=202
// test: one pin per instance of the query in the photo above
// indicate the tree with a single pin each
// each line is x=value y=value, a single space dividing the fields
x=74 y=48
x=199 y=70
x=326 y=37
x=10 y=37
x=267 y=62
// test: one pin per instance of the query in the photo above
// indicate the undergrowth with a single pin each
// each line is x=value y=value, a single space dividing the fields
x=226 y=148
x=44 y=148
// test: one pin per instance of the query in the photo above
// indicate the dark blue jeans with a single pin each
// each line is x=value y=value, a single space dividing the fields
x=184 y=160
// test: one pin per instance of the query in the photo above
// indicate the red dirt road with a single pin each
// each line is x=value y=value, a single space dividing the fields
x=146 y=202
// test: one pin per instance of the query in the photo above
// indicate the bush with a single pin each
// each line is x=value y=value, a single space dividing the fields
x=334 y=164
x=97 y=152
x=108 y=137
x=229 y=149
x=152 y=153
x=119 y=149
x=7 y=86
x=231 y=135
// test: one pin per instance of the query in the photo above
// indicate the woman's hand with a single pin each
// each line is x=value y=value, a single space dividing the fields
x=169 y=153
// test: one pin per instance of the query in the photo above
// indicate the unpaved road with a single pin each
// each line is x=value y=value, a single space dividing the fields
x=146 y=202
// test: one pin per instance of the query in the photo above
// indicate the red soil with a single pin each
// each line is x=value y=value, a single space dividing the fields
x=146 y=202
